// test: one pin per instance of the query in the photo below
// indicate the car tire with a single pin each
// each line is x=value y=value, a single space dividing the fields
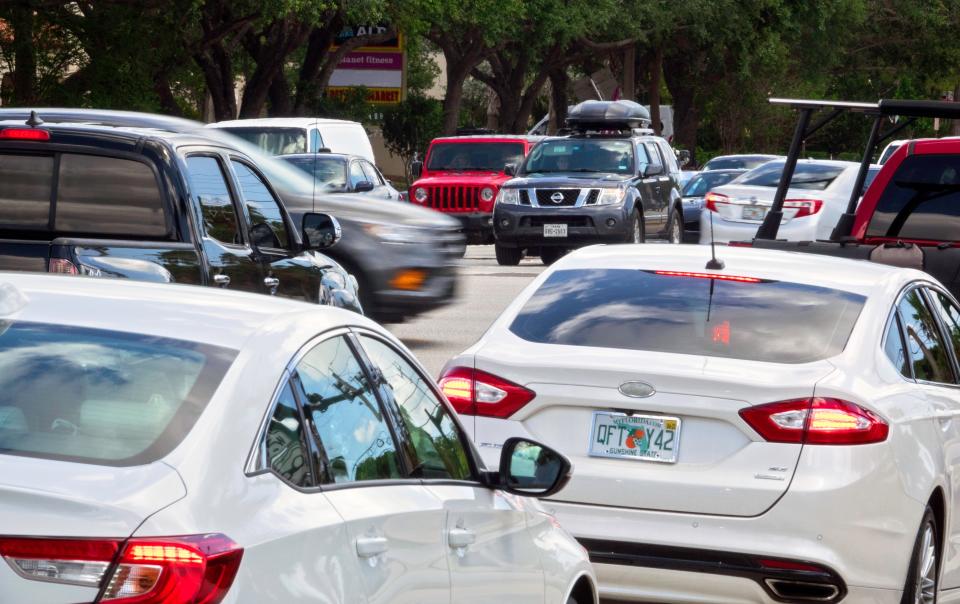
x=637 y=234
x=923 y=576
x=675 y=227
x=549 y=255
x=508 y=256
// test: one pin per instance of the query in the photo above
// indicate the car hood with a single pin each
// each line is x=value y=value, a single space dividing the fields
x=559 y=181
x=363 y=208
x=448 y=179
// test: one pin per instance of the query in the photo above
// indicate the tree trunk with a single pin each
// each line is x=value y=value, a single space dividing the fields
x=168 y=102
x=559 y=83
x=680 y=74
x=456 y=76
x=955 y=126
x=281 y=98
x=218 y=74
x=522 y=119
x=656 y=68
x=25 y=61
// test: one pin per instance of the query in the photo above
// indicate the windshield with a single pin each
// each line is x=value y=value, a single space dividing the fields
x=329 y=172
x=811 y=176
x=101 y=397
x=772 y=321
x=275 y=141
x=744 y=162
x=701 y=184
x=581 y=155
x=922 y=201
x=484 y=157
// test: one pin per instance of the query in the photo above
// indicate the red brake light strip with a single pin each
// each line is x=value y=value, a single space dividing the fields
x=716 y=276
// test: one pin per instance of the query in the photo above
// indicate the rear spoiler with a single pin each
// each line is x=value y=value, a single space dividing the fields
x=885 y=108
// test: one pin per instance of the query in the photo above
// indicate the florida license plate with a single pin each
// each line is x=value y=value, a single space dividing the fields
x=754 y=212
x=554 y=230
x=640 y=437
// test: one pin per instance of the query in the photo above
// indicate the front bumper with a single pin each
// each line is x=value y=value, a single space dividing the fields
x=522 y=226
x=477 y=227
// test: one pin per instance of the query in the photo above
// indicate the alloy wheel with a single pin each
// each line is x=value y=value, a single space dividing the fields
x=637 y=234
x=926 y=585
x=675 y=234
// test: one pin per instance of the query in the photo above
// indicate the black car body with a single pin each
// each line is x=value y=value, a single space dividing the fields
x=694 y=191
x=117 y=195
x=344 y=174
x=608 y=182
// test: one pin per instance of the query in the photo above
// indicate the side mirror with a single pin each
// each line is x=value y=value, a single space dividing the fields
x=652 y=170
x=364 y=186
x=320 y=231
x=531 y=469
x=510 y=169
x=416 y=168
x=683 y=157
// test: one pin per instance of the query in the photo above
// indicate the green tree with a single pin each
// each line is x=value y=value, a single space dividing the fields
x=409 y=127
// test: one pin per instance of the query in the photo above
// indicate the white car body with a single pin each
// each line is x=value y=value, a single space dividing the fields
x=674 y=532
x=340 y=136
x=379 y=541
x=730 y=224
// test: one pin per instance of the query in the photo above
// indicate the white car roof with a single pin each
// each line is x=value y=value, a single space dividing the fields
x=856 y=276
x=197 y=314
x=279 y=122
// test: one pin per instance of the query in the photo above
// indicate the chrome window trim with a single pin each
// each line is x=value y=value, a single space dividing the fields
x=909 y=287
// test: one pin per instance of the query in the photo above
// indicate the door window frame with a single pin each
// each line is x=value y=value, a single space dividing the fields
x=293 y=236
x=920 y=287
x=228 y=178
x=944 y=331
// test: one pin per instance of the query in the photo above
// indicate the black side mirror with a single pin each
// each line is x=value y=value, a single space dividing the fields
x=652 y=170
x=683 y=157
x=416 y=168
x=510 y=169
x=320 y=231
x=363 y=186
x=531 y=469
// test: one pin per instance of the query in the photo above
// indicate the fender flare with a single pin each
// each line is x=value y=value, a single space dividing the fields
x=593 y=587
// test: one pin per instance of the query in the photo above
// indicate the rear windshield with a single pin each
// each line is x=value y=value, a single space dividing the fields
x=101 y=397
x=330 y=172
x=486 y=157
x=702 y=183
x=814 y=177
x=275 y=141
x=771 y=321
x=95 y=195
x=736 y=163
x=922 y=201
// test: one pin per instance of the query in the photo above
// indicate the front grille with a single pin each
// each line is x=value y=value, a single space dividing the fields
x=592 y=197
x=524 y=197
x=451 y=245
x=545 y=197
x=539 y=221
x=454 y=199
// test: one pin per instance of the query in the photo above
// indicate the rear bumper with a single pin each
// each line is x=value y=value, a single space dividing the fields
x=724 y=231
x=522 y=226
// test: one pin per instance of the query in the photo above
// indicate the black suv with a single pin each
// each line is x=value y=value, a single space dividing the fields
x=609 y=181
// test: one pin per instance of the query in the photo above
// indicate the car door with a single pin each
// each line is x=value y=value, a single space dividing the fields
x=489 y=547
x=231 y=260
x=660 y=182
x=281 y=271
x=649 y=191
x=395 y=524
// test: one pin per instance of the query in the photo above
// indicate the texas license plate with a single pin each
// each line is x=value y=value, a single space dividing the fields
x=640 y=437
x=554 y=230
x=754 y=212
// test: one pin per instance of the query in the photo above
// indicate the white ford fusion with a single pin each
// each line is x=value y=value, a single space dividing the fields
x=783 y=429
x=185 y=446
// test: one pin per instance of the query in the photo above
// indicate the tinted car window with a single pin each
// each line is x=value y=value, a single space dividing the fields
x=581 y=155
x=210 y=188
x=275 y=141
x=488 y=157
x=350 y=425
x=262 y=207
x=736 y=163
x=330 y=172
x=950 y=314
x=106 y=195
x=372 y=174
x=921 y=201
x=773 y=321
x=356 y=174
x=437 y=445
x=654 y=155
x=893 y=347
x=101 y=397
x=25 y=194
x=925 y=346
x=815 y=177
x=703 y=183
x=283 y=448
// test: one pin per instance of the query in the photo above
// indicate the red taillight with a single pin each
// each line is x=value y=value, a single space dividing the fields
x=62 y=266
x=816 y=421
x=24 y=134
x=475 y=392
x=804 y=207
x=715 y=276
x=192 y=569
x=712 y=199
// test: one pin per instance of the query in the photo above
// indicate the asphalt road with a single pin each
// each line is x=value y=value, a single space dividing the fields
x=485 y=290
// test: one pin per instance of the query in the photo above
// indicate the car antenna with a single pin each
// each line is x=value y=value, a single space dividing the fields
x=34 y=120
x=714 y=264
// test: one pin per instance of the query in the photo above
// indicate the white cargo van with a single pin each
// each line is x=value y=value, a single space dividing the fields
x=283 y=136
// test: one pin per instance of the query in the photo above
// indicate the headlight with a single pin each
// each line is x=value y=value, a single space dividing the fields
x=389 y=233
x=486 y=194
x=610 y=197
x=509 y=196
x=420 y=195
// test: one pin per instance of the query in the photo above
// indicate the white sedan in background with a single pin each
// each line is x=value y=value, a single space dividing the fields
x=819 y=193
x=784 y=429
x=177 y=445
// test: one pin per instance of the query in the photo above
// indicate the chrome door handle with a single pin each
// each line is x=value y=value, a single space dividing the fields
x=368 y=547
x=221 y=280
x=272 y=283
x=459 y=538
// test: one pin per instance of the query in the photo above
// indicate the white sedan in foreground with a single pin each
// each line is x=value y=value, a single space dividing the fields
x=176 y=445
x=784 y=429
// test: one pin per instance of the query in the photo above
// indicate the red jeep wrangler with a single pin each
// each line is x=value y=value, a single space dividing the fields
x=461 y=176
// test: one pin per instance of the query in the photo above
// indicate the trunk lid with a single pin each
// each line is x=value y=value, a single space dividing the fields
x=749 y=203
x=722 y=468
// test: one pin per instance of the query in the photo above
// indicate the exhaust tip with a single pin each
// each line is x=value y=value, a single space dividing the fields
x=803 y=591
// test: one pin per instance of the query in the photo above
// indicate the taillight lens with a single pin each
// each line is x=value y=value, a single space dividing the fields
x=475 y=392
x=816 y=421
x=192 y=569
x=804 y=207
x=24 y=134
x=712 y=199
x=62 y=266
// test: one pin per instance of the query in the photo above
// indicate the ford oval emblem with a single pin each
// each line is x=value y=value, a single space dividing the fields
x=557 y=197
x=637 y=389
